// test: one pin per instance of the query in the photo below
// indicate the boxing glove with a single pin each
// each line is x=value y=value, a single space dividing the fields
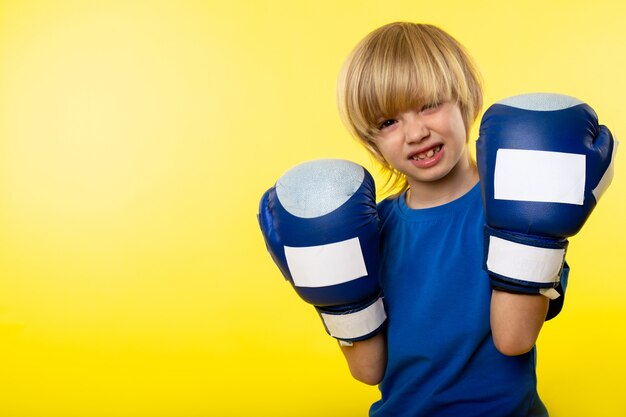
x=543 y=162
x=320 y=226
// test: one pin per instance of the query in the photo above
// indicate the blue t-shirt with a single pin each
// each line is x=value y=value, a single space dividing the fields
x=441 y=357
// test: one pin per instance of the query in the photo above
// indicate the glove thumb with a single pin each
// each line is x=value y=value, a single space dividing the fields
x=607 y=148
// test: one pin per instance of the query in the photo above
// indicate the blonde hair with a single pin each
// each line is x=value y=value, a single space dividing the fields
x=401 y=66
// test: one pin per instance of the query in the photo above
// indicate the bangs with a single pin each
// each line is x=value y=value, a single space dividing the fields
x=404 y=83
x=404 y=70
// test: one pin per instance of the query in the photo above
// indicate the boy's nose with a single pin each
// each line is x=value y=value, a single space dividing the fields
x=415 y=129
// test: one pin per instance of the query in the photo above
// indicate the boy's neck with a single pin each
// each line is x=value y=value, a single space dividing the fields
x=436 y=193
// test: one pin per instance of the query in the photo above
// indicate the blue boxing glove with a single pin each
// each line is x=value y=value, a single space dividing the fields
x=321 y=228
x=543 y=162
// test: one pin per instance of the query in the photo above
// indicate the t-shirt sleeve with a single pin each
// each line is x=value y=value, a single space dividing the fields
x=556 y=305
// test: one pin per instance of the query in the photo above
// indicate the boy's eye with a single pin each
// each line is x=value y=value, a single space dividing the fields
x=386 y=124
x=431 y=106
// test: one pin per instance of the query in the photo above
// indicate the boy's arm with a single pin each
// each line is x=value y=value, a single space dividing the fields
x=516 y=320
x=367 y=359
x=544 y=162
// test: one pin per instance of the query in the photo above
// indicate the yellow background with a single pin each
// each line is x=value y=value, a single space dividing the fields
x=136 y=138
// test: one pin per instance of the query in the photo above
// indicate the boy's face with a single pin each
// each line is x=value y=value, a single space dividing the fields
x=425 y=144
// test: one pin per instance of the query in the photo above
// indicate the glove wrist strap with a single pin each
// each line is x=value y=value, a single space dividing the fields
x=357 y=324
x=528 y=261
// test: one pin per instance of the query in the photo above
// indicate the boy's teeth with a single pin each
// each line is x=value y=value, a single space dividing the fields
x=428 y=154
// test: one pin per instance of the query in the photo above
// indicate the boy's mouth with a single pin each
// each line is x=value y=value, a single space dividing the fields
x=427 y=154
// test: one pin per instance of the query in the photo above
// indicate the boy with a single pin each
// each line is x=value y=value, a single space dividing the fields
x=410 y=93
x=433 y=294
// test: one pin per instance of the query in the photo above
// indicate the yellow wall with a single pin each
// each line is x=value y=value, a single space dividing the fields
x=135 y=141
